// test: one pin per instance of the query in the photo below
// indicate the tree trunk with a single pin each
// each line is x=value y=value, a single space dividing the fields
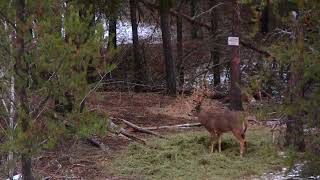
x=194 y=28
x=215 y=51
x=180 y=66
x=12 y=121
x=112 y=39
x=284 y=8
x=20 y=65
x=11 y=99
x=294 y=132
x=167 y=49
x=26 y=167
x=264 y=29
x=235 y=91
x=139 y=70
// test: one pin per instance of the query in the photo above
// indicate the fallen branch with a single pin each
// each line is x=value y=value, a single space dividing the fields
x=255 y=121
x=272 y=120
x=178 y=126
x=122 y=131
x=145 y=87
x=260 y=51
x=138 y=128
x=131 y=136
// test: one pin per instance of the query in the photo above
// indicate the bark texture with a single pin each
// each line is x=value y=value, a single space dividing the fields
x=180 y=66
x=235 y=91
x=294 y=132
x=139 y=69
x=167 y=48
x=20 y=67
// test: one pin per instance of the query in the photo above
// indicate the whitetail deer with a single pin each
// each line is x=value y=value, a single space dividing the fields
x=219 y=122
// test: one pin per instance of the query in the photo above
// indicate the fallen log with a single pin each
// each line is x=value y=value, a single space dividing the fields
x=138 y=128
x=113 y=127
x=133 y=137
x=178 y=126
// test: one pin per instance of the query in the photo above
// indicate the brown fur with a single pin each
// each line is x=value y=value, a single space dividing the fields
x=219 y=122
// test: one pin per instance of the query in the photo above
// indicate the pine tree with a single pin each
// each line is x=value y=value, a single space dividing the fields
x=55 y=41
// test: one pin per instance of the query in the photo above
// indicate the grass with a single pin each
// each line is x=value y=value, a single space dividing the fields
x=186 y=156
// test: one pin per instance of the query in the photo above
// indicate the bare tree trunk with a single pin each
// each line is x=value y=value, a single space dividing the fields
x=215 y=51
x=12 y=120
x=140 y=73
x=235 y=91
x=21 y=89
x=10 y=95
x=180 y=66
x=193 y=9
x=294 y=132
x=167 y=48
x=265 y=18
x=26 y=167
x=112 y=39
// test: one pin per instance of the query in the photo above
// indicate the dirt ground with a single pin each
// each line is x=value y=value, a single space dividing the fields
x=81 y=160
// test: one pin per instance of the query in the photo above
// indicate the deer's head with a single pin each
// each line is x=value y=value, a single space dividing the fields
x=197 y=99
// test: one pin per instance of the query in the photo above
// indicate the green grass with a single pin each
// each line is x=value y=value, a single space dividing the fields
x=186 y=156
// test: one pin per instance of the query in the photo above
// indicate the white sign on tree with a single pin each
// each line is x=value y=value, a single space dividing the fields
x=233 y=41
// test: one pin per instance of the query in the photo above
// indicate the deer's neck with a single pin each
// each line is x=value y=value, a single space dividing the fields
x=198 y=107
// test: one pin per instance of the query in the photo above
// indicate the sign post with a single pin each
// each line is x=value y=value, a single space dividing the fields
x=233 y=41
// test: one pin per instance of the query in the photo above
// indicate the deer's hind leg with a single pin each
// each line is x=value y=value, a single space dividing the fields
x=241 y=138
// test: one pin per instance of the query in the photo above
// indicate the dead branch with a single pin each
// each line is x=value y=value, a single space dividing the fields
x=207 y=11
x=133 y=137
x=82 y=103
x=272 y=120
x=138 y=128
x=113 y=127
x=178 y=126
x=254 y=121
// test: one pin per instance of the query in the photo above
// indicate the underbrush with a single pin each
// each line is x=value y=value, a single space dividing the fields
x=310 y=158
x=186 y=156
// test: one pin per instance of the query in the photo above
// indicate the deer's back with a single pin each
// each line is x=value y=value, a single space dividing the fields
x=221 y=122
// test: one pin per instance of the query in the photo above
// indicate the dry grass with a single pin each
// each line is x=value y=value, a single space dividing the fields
x=181 y=106
x=186 y=156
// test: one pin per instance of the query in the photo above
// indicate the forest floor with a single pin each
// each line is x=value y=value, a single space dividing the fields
x=184 y=155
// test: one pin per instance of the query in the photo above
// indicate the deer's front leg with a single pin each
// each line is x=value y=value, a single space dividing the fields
x=219 y=142
x=212 y=142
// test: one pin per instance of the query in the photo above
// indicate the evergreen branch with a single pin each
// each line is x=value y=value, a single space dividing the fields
x=7 y=50
x=5 y=18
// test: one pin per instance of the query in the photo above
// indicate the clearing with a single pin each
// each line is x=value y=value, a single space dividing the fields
x=183 y=155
